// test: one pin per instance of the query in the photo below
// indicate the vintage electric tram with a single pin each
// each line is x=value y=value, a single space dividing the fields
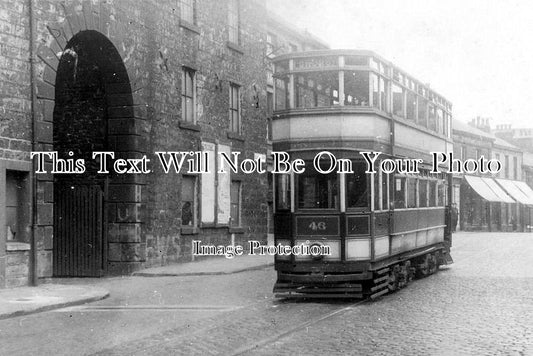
x=381 y=229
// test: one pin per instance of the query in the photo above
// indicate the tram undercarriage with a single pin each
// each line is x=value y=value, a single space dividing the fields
x=379 y=279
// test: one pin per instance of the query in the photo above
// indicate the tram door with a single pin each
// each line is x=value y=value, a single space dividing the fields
x=78 y=231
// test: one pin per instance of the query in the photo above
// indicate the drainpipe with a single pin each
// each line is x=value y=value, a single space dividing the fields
x=33 y=180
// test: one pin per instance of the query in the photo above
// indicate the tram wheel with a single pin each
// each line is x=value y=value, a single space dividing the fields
x=394 y=278
x=423 y=266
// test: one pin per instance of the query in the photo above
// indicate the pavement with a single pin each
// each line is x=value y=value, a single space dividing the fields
x=50 y=295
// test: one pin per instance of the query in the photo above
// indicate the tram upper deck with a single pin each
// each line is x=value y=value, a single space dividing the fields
x=356 y=99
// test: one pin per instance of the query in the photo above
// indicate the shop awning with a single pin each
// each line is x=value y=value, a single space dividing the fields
x=526 y=189
x=483 y=189
x=496 y=189
x=515 y=189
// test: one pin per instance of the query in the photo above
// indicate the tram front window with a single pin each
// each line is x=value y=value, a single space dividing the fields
x=317 y=190
x=357 y=187
x=316 y=89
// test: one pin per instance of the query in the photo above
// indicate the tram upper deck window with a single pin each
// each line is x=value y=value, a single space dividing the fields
x=440 y=121
x=283 y=192
x=397 y=100
x=432 y=118
x=282 y=93
x=383 y=84
x=374 y=87
x=410 y=105
x=399 y=193
x=317 y=190
x=356 y=84
x=316 y=89
x=422 y=111
x=357 y=193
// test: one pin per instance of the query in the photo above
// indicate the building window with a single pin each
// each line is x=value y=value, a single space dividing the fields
x=188 y=11
x=411 y=192
x=16 y=211
x=233 y=21
x=188 y=93
x=235 y=108
x=270 y=44
x=515 y=168
x=188 y=201
x=506 y=166
x=235 y=196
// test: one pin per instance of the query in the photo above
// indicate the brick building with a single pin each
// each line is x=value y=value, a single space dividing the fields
x=132 y=77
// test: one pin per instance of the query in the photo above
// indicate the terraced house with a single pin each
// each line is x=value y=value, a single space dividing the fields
x=134 y=78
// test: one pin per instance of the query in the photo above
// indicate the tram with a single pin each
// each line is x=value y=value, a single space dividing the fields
x=381 y=229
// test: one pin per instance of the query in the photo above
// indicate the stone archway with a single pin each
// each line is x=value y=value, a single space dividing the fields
x=93 y=112
x=79 y=50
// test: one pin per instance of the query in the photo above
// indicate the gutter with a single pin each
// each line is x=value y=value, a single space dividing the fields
x=33 y=278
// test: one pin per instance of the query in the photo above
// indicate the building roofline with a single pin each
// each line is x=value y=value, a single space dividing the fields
x=303 y=35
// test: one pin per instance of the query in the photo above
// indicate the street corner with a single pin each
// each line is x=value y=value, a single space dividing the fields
x=28 y=300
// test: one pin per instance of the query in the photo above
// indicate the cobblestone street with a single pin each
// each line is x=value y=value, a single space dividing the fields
x=481 y=305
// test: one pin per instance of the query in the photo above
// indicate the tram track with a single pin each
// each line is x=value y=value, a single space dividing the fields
x=244 y=350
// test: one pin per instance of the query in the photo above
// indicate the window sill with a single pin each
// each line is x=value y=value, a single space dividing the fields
x=189 y=26
x=235 y=47
x=189 y=126
x=236 y=230
x=190 y=230
x=235 y=136
x=17 y=246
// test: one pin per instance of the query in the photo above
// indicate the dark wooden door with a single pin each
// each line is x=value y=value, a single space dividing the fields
x=78 y=231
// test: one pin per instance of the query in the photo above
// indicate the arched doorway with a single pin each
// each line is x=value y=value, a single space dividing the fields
x=93 y=112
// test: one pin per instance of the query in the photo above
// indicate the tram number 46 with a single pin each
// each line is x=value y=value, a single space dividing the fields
x=316 y=226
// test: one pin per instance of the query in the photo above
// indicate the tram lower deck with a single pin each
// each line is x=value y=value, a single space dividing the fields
x=380 y=231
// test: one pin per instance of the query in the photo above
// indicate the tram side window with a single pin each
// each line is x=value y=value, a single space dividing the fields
x=422 y=111
x=397 y=100
x=377 y=186
x=317 y=190
x=374 y=81
x=317 y=89
x=411 y=192
x=432 y=193
x=440 y=121
x=282 y=93
x=410 y=106
x=356 y=85
x=383 y=84
x=283 y=192
x=432 y=118
x=399 y=192
x=423 y=193
x=357 y=186
x=384 y=191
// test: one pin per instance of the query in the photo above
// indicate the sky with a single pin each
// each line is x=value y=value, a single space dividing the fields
x=476 y=53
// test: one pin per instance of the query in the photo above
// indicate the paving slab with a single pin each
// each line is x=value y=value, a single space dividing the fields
x=210 y=266
x=27 y=300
